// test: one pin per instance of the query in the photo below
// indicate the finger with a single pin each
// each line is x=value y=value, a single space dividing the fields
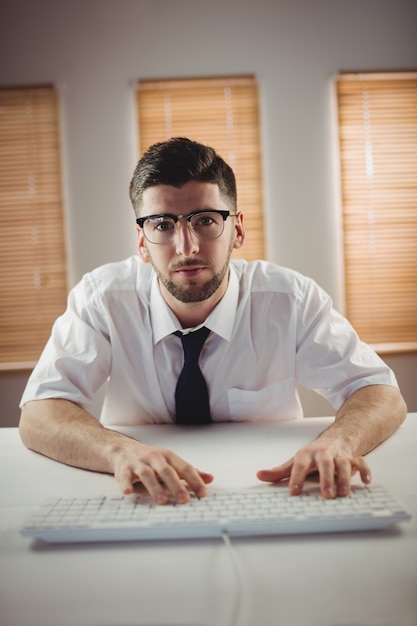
x=169 y=477
x=207 y=478
x=326 y=468
x=275 y=474
x=145 y=474
x=363 y=468
x=125 y=480
x=304 y=464
x=195 y=480
x=174 y=471
x=344 y=472
x=345 y=468
x=156 y=470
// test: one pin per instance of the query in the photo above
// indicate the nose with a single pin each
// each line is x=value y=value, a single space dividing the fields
x=186 y=242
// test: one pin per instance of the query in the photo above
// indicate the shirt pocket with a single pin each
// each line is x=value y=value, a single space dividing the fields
x=274 y=402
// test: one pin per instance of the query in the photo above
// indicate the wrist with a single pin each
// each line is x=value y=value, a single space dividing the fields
x=340 y=441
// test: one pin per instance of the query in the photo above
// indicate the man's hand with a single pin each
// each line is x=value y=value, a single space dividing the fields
x=63 y=431
x=163 y=473
x=335 y=468
x=368 y=417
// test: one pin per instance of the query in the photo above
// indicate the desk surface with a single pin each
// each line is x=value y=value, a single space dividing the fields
x=355 y=579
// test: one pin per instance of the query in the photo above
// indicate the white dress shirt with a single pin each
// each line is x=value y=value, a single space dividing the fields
x=272 y=328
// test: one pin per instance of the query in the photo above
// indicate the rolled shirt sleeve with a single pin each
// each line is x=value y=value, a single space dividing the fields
x=331 y=358
x=76 y=360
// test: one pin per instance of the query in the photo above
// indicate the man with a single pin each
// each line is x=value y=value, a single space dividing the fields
x=268 y=327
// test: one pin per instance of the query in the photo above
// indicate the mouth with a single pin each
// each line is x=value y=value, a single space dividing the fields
x=190 y=272
x=190 y=269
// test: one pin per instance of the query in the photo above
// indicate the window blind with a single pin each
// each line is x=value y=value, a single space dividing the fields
x=220 y=112
x=378 y=149
x=33 y=284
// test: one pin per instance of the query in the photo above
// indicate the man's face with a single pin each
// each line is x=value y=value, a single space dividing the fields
x=190 y=269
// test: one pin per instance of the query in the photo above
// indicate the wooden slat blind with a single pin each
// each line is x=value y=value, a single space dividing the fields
x=32 y=257
x=378 y=148
x=222 y=113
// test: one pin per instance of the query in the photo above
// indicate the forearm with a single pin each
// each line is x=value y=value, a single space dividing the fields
x=368 y=417
x=63 y=431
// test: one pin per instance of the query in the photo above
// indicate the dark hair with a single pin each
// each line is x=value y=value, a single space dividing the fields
x=179 y=161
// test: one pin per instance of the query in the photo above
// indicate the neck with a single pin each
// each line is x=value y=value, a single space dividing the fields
x=192 y=315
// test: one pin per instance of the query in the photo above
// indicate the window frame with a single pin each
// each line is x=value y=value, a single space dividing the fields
x=231 y=104
x=380 y=236
x=33 y=272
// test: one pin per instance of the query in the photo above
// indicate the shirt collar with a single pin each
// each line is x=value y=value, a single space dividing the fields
x=220 y=320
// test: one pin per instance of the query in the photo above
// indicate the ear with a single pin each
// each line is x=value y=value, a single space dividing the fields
x=239 y=231
x=142 y=249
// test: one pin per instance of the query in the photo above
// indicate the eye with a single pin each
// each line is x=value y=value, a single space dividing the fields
x=205 y=219
x=162 y=224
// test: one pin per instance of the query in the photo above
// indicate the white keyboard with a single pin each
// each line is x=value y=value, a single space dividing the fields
x=263 y=511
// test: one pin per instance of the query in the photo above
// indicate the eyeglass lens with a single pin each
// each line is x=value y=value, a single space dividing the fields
x=206 y=225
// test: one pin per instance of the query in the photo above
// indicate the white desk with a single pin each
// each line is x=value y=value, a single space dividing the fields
x=364 y=579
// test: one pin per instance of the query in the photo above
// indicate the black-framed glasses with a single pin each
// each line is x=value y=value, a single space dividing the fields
x=205 y=225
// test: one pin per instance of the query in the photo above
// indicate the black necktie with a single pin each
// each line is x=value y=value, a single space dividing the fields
x=191 y=394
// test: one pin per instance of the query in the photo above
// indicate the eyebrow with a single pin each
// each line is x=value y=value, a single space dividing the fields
x=196 y=211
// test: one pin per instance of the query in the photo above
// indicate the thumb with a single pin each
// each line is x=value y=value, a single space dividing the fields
x=207 y=478
x=275 y=474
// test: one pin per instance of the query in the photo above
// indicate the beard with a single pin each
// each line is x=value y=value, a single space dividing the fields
x=194 y=292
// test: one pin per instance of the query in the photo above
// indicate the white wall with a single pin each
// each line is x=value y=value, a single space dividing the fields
x=95 y=49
